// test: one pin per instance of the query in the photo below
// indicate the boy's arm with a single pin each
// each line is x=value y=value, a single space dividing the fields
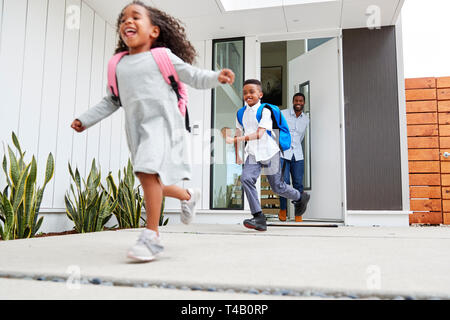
x=264 y=124
x=253 y=136
x=237 y=146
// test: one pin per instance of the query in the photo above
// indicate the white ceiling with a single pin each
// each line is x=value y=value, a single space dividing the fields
x=206 y=19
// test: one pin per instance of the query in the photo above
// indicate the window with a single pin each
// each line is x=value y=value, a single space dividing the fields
x=226 y=191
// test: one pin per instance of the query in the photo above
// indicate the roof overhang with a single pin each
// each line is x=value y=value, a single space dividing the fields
x=214 y=19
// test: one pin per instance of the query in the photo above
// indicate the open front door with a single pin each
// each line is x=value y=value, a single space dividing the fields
x=317 y=73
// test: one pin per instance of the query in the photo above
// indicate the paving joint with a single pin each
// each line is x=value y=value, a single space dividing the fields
x=300 y=292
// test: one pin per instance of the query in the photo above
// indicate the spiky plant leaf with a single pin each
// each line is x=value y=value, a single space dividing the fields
x=49 y=169
x=14 y=172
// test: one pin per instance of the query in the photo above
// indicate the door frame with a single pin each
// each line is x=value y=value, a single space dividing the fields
x=334 y=33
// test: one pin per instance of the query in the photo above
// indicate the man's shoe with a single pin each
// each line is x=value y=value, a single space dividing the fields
x=258 y=223
x=300 y=206
x=282 y=215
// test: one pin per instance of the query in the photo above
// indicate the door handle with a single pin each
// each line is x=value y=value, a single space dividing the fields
x=446 y=154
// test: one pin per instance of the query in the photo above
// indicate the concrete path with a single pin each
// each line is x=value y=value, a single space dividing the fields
x=231 y=262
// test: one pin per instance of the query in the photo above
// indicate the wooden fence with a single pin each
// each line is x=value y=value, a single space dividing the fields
x=428 y=120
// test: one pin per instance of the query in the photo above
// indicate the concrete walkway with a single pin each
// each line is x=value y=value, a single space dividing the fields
x=230 y=262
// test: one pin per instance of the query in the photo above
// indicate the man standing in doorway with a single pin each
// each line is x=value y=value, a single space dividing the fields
x=293 y=158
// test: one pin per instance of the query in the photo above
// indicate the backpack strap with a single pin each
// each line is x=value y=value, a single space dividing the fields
x=275 y=124
x=259 y=116
x=240 y=115
x=170 y=75
x=113 y=86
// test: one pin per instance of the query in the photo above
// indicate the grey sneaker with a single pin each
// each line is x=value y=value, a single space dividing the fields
x=147 y=247
x=188 y=206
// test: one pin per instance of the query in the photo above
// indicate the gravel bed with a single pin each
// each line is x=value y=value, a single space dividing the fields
x=254 y=291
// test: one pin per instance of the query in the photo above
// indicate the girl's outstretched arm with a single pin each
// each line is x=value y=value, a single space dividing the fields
x=226 y=76
x=200 y=78
x=95 y=114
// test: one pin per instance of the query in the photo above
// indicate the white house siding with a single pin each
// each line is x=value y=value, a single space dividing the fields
x=199 y=106
x=52 y=67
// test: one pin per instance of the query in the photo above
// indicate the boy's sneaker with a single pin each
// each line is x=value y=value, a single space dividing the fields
x=188 y=206
x=147 y=247
x=258 y=223
x=300 y=206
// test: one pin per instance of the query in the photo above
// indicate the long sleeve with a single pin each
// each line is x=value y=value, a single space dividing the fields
x=102 y=110
x=193 y=76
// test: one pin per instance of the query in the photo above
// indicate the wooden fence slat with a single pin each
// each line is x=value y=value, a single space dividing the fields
x=444 y=142
x=434 y=218
x=445 y=167
x=443 y=94
x=422 y=118
x=421 y=106
x=420 y=83
x=445 y=180
x=424 y=166
x=441 y=155
x=444 y=117
x=444 y=106
x=426 y=192
x=446 y=205
x=427 y=205
x=444 y=130
x=446 y=218
x=424 y=179
x=443 y=82
x=420 y=94
x=423 y=130
x=423 y=142
x=423 y=154
x=446 y=193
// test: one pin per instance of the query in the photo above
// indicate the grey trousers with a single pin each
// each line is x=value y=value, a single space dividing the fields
x=272 y=169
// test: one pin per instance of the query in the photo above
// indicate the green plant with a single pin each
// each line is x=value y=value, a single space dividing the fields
x=21 y=200
x=129 y=200
x=92 y=207
x=163 y=222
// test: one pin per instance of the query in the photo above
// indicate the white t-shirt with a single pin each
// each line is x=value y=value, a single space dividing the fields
x=266 y=147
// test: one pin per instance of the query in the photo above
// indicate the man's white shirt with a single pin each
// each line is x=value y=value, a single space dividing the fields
x=297 y=128
x=266 y=147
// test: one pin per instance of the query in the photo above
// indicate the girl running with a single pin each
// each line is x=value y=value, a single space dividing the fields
x=154 y=125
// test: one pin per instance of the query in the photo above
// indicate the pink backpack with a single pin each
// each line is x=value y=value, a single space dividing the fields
x=168 y=71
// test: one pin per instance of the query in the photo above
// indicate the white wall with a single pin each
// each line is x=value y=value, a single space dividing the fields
x=199 y=107
x=53 y=67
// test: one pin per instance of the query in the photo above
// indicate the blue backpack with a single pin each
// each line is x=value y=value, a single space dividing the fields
x=278 y=122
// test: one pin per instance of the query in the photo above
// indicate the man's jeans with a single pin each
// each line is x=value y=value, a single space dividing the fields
x=295 y=169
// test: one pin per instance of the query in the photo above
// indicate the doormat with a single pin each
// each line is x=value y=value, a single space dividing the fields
x=303 y=225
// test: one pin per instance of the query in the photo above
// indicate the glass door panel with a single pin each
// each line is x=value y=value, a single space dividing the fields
x=226 y=191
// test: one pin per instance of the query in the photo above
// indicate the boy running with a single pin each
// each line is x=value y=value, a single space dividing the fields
x=261 y=152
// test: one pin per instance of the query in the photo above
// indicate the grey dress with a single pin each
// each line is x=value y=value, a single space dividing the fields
x=155 y=128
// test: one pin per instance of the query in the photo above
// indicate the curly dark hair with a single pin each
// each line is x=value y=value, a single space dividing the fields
x=172 y=33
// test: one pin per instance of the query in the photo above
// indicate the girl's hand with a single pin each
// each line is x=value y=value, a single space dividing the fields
x=239 y=160
x=226 y=76
x=229 y=140
x=227 y=135
x=77 y=126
